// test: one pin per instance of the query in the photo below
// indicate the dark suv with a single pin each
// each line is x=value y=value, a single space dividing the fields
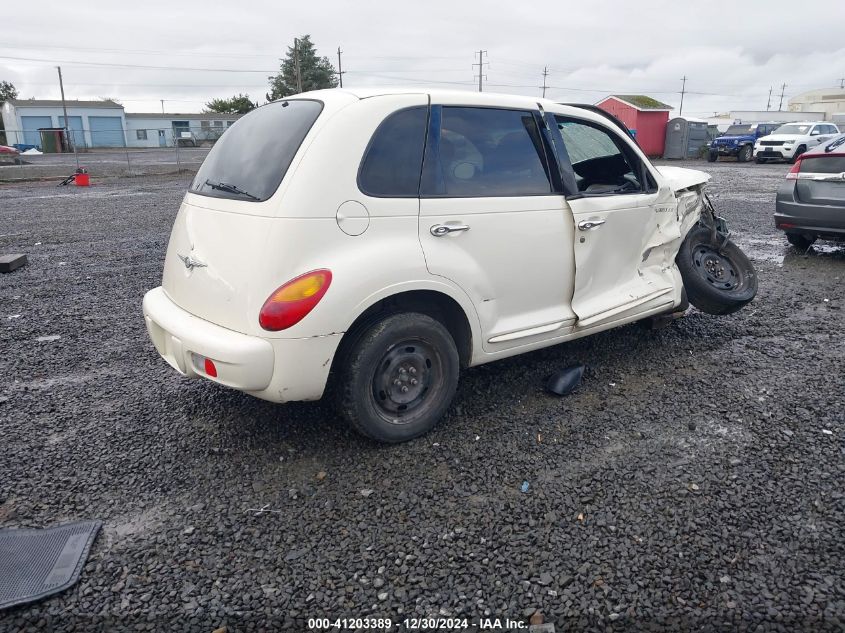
x=739 y=140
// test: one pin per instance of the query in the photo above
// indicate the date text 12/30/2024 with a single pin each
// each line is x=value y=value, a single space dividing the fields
x=416 y=624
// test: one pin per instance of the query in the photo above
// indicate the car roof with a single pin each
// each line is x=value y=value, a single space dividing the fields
x=465 y=97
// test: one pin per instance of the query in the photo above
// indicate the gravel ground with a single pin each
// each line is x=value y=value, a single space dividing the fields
x=693 y=482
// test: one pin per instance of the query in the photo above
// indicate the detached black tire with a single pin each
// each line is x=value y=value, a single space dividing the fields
x=712 y=156
x=397 y=377
x=802 y=242
x=717 y=281
x=745 y=154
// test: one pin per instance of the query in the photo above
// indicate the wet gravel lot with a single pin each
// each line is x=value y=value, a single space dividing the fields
x=693 y=482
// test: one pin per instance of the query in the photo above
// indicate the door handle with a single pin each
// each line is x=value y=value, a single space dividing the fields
x=586 y=225
x=439 y=230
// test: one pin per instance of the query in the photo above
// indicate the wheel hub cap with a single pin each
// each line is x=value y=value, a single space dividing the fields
x=718 y=270
x=404 y=377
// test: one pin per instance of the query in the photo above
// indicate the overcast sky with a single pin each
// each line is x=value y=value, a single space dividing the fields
x=204 y=49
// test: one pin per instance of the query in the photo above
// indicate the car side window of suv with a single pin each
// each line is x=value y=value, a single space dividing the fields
x=485 y=152
x=602 y=165
x=393 y=160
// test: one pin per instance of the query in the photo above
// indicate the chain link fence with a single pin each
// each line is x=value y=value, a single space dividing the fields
x=130 y=151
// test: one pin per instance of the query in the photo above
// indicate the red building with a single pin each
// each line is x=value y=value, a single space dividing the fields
x=645 y=115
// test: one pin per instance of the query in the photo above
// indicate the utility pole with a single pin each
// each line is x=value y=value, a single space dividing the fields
x=842 y=83
x=769 y=101
x=162 y=106
x=480 y=65
x=64 y=109
x=545 y=74
x=296 y=65
x=339 y=67
x=683 y=91
x=782 y=90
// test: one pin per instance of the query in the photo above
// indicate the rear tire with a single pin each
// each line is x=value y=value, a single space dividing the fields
x=799 y=241
x=397 y=377
x=800 y=150
x=745 y=154
x=717 y=281
x=712 y=156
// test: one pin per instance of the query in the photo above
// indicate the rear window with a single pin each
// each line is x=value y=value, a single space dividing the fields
x=251 y=158
x=822 y=164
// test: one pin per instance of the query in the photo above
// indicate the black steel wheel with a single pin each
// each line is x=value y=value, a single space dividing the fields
x=717 y=275
x=397 y=376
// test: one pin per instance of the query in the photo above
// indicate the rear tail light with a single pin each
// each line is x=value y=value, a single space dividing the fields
x=793 y=173
x=290 y=303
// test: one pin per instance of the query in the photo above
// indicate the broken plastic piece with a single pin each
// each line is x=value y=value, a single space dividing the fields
x=525 y=486
x=565 y=381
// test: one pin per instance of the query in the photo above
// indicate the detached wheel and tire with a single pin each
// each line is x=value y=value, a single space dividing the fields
x=745 y=154
x=712 y=156
x=801 y=242
x=397 y=377
x=717 y=280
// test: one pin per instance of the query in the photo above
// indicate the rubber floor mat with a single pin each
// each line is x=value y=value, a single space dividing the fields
x=36 y=563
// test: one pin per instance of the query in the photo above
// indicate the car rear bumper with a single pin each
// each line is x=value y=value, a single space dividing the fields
x=794 y=216
x=279 y=370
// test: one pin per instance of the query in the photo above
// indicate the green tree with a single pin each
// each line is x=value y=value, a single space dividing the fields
x=237 y=104
x=7 y=91
x=316 y=72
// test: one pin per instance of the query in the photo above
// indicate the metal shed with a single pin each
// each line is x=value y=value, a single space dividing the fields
x=641 y=113
x=685 y=137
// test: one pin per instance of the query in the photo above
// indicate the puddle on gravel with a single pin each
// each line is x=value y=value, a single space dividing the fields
x=771 y=250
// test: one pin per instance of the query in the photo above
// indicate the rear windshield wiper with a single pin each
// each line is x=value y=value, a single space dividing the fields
x=222 y=186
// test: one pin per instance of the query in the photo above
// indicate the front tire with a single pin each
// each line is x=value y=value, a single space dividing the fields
x=799 y=150
x=717 y=280
x=745 y=154
x=712 y=156
x=398 y=377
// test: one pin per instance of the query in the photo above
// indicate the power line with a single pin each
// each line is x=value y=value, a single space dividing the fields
x=140 y=66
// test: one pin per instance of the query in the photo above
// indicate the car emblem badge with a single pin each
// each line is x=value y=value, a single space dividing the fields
x=190 y=262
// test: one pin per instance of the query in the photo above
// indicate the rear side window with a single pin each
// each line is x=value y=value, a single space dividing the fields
x=486 y=152
x=251 y=158
x=393 y=161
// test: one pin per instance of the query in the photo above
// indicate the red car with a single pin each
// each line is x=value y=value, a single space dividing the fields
x=10 y=153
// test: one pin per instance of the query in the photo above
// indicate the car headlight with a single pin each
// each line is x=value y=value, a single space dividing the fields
x=735 y=142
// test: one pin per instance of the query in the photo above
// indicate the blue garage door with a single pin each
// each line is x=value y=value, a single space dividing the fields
x=77 y=135
x=30 y=125
x=106 y=131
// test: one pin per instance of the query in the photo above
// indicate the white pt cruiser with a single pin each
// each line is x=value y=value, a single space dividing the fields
x=370 y=243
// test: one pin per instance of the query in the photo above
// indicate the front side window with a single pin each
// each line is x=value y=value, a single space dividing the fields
x=250 y=160
x=393 y=160
x=487 y=152
x=600 y=164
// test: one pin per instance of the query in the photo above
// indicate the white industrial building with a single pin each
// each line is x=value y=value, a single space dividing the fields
x=90 y=123
x=154 y=129
x=94 y=124
x=830 y=101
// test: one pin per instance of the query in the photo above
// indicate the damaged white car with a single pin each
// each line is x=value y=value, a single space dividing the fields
x=370 y=243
